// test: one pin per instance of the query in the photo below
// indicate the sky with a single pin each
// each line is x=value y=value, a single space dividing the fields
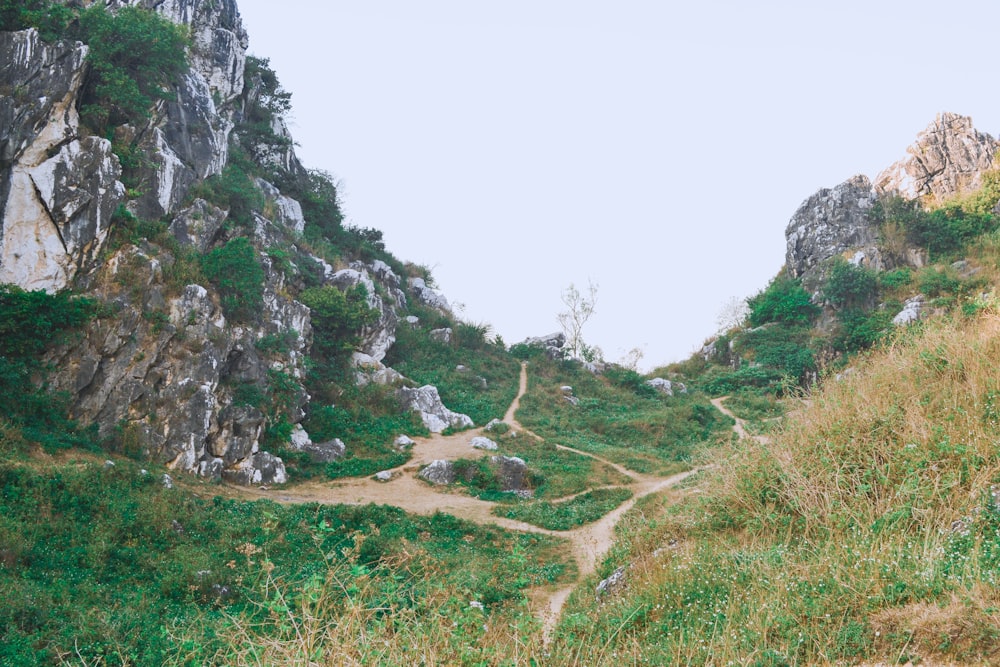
x=656 y=149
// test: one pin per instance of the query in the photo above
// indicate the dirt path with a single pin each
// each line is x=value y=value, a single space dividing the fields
x=740 y=427
x=587 y=544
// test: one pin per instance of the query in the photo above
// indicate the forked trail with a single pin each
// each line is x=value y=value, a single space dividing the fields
x=587 y=544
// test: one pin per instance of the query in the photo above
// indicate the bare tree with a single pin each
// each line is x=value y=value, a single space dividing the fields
x=581 y=307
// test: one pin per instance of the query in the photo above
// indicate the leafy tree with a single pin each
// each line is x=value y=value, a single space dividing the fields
x=783 y=300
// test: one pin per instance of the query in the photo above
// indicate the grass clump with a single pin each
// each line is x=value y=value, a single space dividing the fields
x=567 y=514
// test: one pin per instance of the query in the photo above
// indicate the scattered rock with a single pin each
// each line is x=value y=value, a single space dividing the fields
x=552 y=344
x=176 y=526
x=566 y=389
x=475 y=604
x=612 y=584
x=439 y=472
x=109 y=464
x=403 y=442
x=383 y=476
x=167 y=481
x=573 y=400
x=479 y=442
x=912 y=309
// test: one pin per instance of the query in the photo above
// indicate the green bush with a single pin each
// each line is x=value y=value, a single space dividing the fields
x=135 y=55
x=937 y=282
x=896 y=278
x=51 y=19
x=850 y=286
x=233 y=189
x=237 y=273
x=860 y=329
x=783 y=300
x=337 y=318
x=782 y=347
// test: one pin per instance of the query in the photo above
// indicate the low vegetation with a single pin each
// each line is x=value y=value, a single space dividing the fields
x=565 y=514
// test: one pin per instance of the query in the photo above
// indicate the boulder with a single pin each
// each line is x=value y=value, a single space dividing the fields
x=948 y=158
x=439 y=472
x=441 y=335
x=403 y=442
x=383 y=476
x=512 y=473
x=911 y=311
x=261 y=468
x=832 y=222
x=662 y=385
x=479 y=442
x=435 y=416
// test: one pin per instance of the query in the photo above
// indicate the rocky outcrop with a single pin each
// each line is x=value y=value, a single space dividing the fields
x=832 y=222
x=58 y=190
x=911 y=312
x=552 y=344
x=435 y=416
x=439 y=473
x=512 y=473
x=429 y=296
x=378 y=337
x=947 y=159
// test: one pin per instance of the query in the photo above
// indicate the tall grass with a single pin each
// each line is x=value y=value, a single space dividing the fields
x=868 y=528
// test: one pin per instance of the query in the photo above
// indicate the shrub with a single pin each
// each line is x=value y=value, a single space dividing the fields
x=850 y=286
x=860 y=329
x=135 y=54
x=896 y=278
x=936 y=282
x=783 y=300
x=337 y=318
x=237 y=273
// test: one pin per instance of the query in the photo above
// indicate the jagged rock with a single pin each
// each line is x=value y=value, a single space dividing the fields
x=911 y=311
x=368 y=371
x=197 y=225
x=439 y=472
x=299 y=439
x=287 y=211
x=479 y=442
x=662 y=385
x=323 y=452
x=58 y=190
x=511 y=471
x=377 y=338
x=441 y=335
x=429 y=296
x=261 y=468
x=832 y=222
x=612 y=584
x=948 y=158
x=435 y=416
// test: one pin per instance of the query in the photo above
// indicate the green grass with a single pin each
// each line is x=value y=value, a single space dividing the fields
x=647 y=433
x=106 y=566
x=568 y=514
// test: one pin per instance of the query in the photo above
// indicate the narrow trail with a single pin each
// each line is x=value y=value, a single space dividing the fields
x=587 y=544
x=740 y=427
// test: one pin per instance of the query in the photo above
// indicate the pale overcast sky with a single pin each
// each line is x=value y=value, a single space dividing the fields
x=655 y=148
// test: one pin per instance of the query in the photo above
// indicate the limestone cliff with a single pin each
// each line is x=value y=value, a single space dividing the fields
x=168 y=367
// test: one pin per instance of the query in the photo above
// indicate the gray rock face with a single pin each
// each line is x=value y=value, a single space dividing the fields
x=58 y=190
x=947 y=159
x=287 y=211
x=439 y=472
x=377 y=338
x=435 y=416
x=198 y=225
x=832 y=222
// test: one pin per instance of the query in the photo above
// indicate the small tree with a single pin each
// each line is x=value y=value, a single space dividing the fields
x=732 y=314
x=581 y=307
